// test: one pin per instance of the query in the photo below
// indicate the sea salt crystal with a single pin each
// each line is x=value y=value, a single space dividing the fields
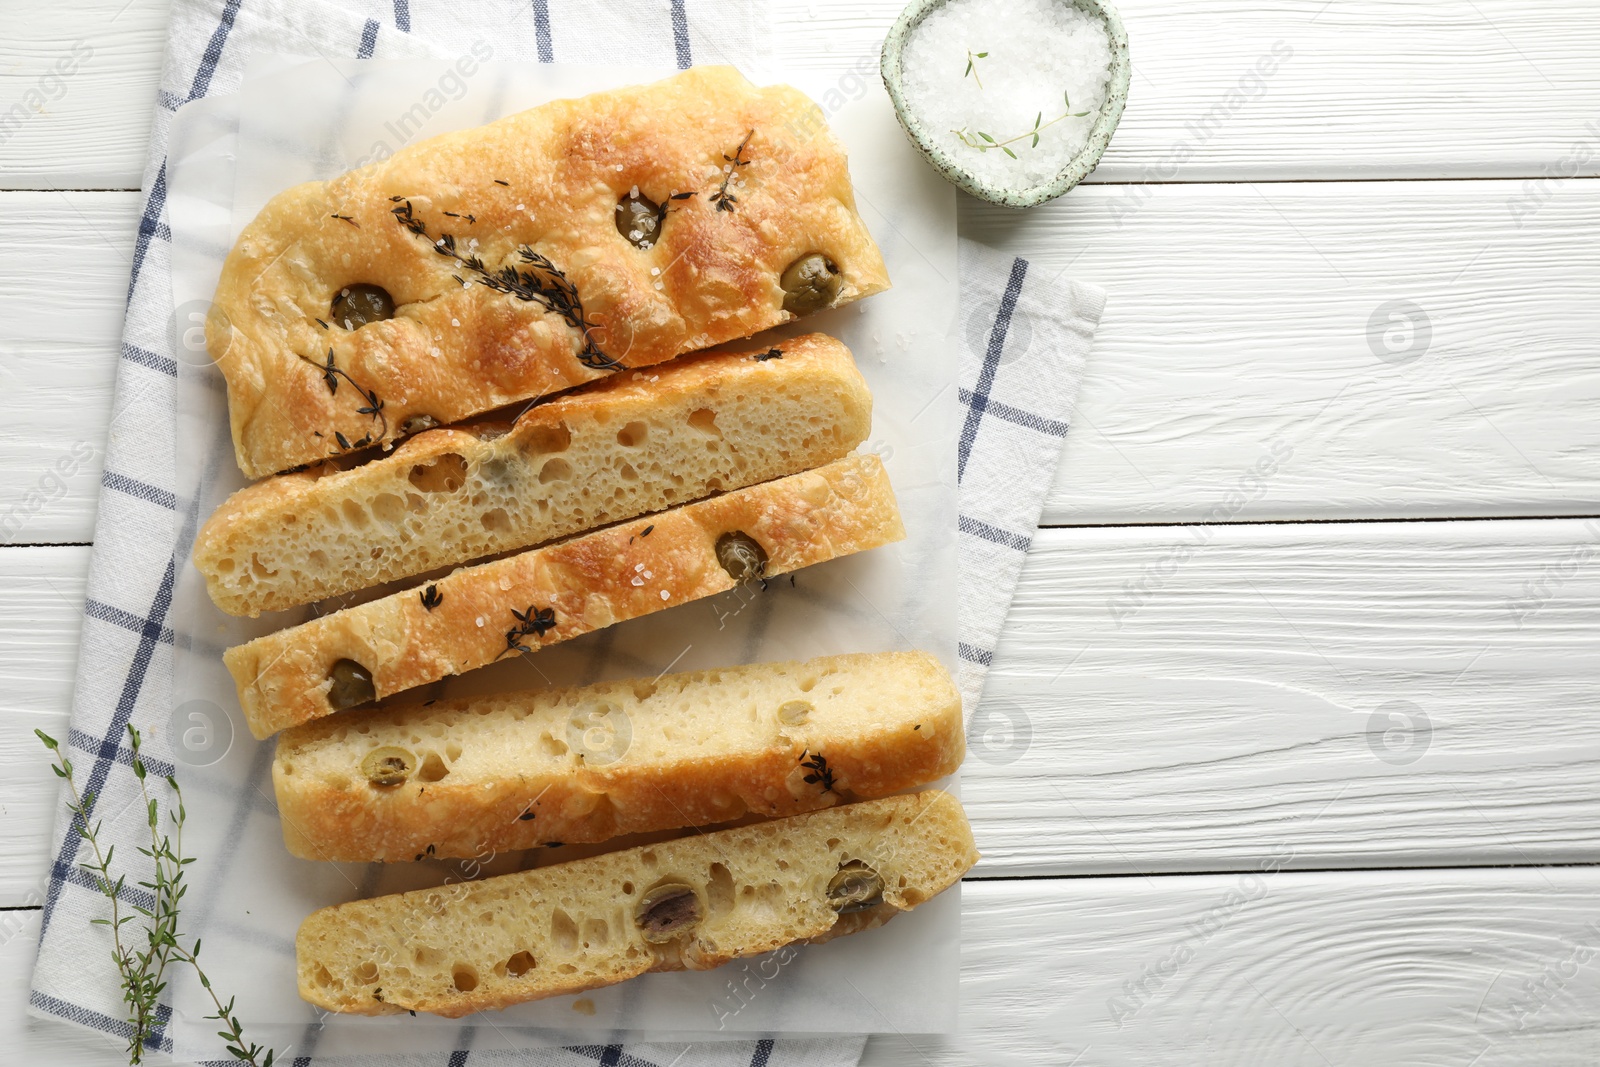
x=638 y=581
x=637 y=567
x=1041 y=53
x=665 y=595
x=455 y=322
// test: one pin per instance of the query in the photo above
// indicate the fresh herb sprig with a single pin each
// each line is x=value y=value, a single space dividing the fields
x=144 y=973
x=535 y=622
x=541 y=282
x=722 y=198
x=972 y=65
x=372 y=406
x=821 y=773
x=983 y=142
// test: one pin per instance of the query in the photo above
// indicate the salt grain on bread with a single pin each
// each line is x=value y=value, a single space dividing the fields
x=693 y=903
x=555 y=593
x=485 y=775
x=628 y=445
x=412 y=308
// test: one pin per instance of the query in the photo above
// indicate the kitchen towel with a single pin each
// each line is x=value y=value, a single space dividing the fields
x=1026 y=339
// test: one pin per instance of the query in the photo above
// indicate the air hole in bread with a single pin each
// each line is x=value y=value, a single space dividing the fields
x=323 y=977
x=633 y=435
x=445 y=474
x=452 y=751
x=261 y=569
x=388 y=508
x=644 y=690
x=627 y=474
x=543 y=440
x=465 y=977
x=555 y=470
x=355 y=514
x=563 y=932
x=520 y=964
x=497 y=520
x=808 y=683
x=595 y=932
x=427 y=955
x=705 y=420
x=367 y=973
x=719 y=890
x=225 y=565
x=432 y=768
x=627 y=889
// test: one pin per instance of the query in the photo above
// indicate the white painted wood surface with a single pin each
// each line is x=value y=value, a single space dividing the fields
x=1290 y=698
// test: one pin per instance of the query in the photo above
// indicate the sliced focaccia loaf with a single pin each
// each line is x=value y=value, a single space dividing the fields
x=544 y=595
x=628 y=445
x=689 y=904
x=478 y=776
x=493 y=265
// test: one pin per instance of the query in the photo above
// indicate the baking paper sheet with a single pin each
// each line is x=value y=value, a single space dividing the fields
x=296 y=120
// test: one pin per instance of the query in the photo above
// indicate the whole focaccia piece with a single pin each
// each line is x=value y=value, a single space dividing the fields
x=693 y=903
x=483 y=775
x=498 y=264
x=522 y=602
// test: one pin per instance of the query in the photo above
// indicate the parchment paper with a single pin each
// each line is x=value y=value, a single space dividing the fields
x=296 y=120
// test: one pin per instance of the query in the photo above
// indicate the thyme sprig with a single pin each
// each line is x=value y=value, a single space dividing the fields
x=972 y=65
x=371 y=406
x=431 y=597
x=535 y=622
x=541 y=282
x=144 y=973
x=722 y=198
x=983 y=141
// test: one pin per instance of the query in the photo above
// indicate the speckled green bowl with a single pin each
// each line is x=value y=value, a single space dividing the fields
x=963 y=179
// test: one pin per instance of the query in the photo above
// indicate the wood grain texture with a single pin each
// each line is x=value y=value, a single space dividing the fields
x=83 y=79
x=1240 y=324
x=1494 y=968
x=35 y=1041
x=59 y=341
x=1358 y=88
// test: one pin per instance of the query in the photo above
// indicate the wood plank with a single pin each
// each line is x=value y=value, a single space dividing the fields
x=63 y=280
x=1494 y=968
x=1375 y=694
x=1288 y=969
x=1255 y=360
x=82 y=79
x=1236 y=335
x=1359 y=88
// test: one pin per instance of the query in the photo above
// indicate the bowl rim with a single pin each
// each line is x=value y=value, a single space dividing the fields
x=1078 y=168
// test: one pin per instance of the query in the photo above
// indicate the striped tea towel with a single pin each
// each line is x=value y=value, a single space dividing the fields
x=1027 y=339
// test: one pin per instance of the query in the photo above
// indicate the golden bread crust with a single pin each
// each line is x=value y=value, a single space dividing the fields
x=452 y=350
x=629 y=444
x=585 y=583
x=570 y=927
x=515 y=771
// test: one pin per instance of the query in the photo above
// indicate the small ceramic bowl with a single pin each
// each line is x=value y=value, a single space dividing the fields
x=1073 y=173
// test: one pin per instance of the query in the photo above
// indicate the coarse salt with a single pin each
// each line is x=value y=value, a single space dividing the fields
x=1040 y=54
x=665 y=595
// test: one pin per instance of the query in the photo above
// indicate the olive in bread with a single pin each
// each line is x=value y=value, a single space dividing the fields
x=520 y=603
x=477 y=776
x=633 y=443
x=489 y=266
x=692 y=903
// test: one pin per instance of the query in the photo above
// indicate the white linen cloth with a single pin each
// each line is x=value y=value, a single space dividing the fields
x=1026 y=337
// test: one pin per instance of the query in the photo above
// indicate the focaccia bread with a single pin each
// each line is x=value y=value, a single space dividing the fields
x=544 y=595
x=634 y=443
x=493 y=265
x=689 y=904
x=485 y=775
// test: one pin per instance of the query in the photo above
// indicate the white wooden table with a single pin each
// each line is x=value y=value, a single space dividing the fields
x=1291 y=752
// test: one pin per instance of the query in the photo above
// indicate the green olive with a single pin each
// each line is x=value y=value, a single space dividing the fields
x=856 y=887
x=413 y=424
x=356 y=305
x=667 y=911
x=810 y=283
x=352 y=685
x=388 y=766
x=639 y=219
x=742 y=557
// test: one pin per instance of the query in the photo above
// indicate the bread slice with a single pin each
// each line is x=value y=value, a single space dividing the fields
x=535 y=598
x=470 y=778
x=628 y=445
x=689 y=904
x=489 y=266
